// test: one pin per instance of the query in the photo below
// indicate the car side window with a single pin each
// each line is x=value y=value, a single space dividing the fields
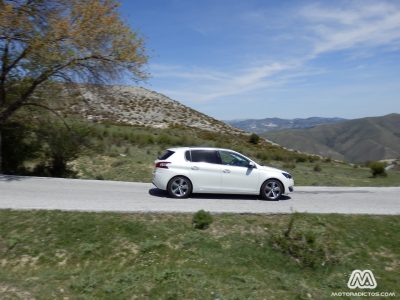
x=233 y=159
x=208 y=156
x=187 y=156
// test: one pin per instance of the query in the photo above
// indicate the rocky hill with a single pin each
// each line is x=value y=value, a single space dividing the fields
x=358 y=140
x=272 y=124
x=139 y=106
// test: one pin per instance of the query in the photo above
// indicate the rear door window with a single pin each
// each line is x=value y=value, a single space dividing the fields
x=165 y=155
x=208 y=156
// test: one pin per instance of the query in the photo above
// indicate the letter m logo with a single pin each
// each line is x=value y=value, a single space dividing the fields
x=362 y=280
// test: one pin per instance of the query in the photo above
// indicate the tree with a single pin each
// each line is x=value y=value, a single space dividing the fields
x=61 y=146
x=47 y=41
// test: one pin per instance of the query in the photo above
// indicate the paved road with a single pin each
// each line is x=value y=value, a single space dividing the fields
x=92 y=195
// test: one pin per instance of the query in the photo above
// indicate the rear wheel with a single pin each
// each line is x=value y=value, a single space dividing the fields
x=272 y=189
x=179 y=187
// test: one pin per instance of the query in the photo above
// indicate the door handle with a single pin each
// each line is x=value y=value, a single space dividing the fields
x=195 y=168
x=226 y=171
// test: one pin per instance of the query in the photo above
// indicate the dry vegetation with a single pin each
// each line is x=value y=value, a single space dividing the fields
x=139 y=106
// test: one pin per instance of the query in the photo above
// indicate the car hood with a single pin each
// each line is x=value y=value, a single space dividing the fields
x=270 y=169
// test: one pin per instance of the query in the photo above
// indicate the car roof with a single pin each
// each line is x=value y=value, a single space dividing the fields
x=197 y=148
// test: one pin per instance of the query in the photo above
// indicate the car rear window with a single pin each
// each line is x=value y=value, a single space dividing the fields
x=208 y=156
x=166 y=154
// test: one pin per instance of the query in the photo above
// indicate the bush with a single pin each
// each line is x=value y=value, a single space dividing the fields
x=19 y=145
x=63 y=145
x=289 y=165
x=254 y=139
x=313 y=158
x=202 y=219
x=301 y=159
x=306 y=247
x=263 y=156
x=377 y=169
x=317 y=168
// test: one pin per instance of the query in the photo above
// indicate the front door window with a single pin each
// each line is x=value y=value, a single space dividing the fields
x=233 y=159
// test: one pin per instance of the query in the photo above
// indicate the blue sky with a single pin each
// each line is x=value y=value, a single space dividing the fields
x=237 y=59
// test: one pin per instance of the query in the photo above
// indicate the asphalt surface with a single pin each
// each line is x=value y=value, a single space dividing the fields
x=23 y=193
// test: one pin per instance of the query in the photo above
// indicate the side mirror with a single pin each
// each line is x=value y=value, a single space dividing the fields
x=252 y=165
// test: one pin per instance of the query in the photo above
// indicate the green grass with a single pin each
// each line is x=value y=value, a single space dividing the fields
x=51 y=255
x=339 y=174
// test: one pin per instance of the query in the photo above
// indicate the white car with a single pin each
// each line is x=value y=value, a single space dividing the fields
x=182 y=171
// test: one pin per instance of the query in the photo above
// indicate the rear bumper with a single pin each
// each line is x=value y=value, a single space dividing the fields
x=160 y=179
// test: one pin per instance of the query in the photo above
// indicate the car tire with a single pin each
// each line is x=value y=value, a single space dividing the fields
x=271 y=190
x=179 y=187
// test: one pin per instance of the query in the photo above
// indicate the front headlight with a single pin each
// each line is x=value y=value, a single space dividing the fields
x=287 y=175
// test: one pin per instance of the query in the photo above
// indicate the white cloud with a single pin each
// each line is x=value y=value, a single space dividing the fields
x=360 y=26
x=206 y=84
x=367 y=24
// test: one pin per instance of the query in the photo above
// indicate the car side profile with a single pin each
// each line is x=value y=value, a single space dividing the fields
x=185 y=170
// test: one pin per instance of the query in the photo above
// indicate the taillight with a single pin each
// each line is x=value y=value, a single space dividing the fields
x=162 y=164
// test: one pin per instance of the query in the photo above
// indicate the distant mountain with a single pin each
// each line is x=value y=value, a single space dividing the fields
x=271 y=124
x=357 y=140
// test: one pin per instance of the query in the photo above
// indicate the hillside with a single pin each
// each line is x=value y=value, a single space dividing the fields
x=141 y=107
x=117 y=133
x=359 y=140
x=272 y=124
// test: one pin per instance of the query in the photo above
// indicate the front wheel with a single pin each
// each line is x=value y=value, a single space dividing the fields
x=179 y=187
x=272 y=189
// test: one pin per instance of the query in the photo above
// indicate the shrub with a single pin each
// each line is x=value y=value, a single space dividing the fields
x=289 y=165
x=317 y=168
x=301 y=159
x=306 y=247
x=19 y=145
x=313 y=158
x=165 y=140
x=377 y=169
x=202 y=219
x=254 y=139
x=63 y=145
x=278 y=157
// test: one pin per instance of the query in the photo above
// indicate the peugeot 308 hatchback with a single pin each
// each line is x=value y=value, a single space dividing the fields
x=182 y=171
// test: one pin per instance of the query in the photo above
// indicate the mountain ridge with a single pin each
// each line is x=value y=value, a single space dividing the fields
x=357 y=140
x=272 y=124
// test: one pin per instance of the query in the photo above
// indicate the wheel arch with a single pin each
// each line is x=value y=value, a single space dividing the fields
x=186 y=177
x=180 y=175
x=277 y=179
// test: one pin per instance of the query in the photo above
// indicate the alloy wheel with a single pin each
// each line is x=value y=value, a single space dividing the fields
x=180 y=187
